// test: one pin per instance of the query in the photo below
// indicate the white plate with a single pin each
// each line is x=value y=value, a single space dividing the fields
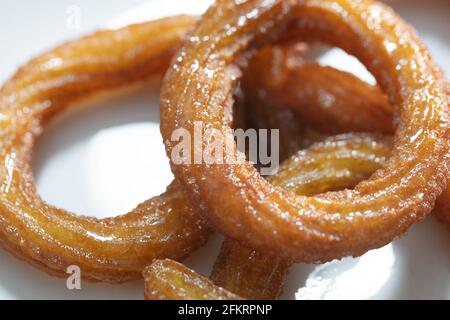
x=104 y=160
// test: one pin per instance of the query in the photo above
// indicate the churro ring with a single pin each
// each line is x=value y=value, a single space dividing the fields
x=290 y=86
x=246 y=207
x=332 y=164
x=113 y=249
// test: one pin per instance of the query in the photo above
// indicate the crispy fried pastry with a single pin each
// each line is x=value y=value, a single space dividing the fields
x=242 y=204
x=113 y=249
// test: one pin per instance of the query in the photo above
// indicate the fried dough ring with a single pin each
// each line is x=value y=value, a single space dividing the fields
x=112 y=249
x=289 y=85
x=333 y=164
x=243 y=205
x=272 y=96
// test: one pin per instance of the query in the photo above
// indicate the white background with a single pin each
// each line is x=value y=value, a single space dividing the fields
x=104 y=160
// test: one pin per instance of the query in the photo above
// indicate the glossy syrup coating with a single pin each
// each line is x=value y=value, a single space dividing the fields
x=241 y=203
x=170 y=280
x=112 y=249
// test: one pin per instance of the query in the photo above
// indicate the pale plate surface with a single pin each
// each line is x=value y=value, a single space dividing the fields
x=104 y=160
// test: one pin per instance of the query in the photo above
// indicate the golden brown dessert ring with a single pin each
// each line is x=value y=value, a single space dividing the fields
x=288 y=82
x=113 y=249
x=242 y=204
x=335 y=163
x=319 y=95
